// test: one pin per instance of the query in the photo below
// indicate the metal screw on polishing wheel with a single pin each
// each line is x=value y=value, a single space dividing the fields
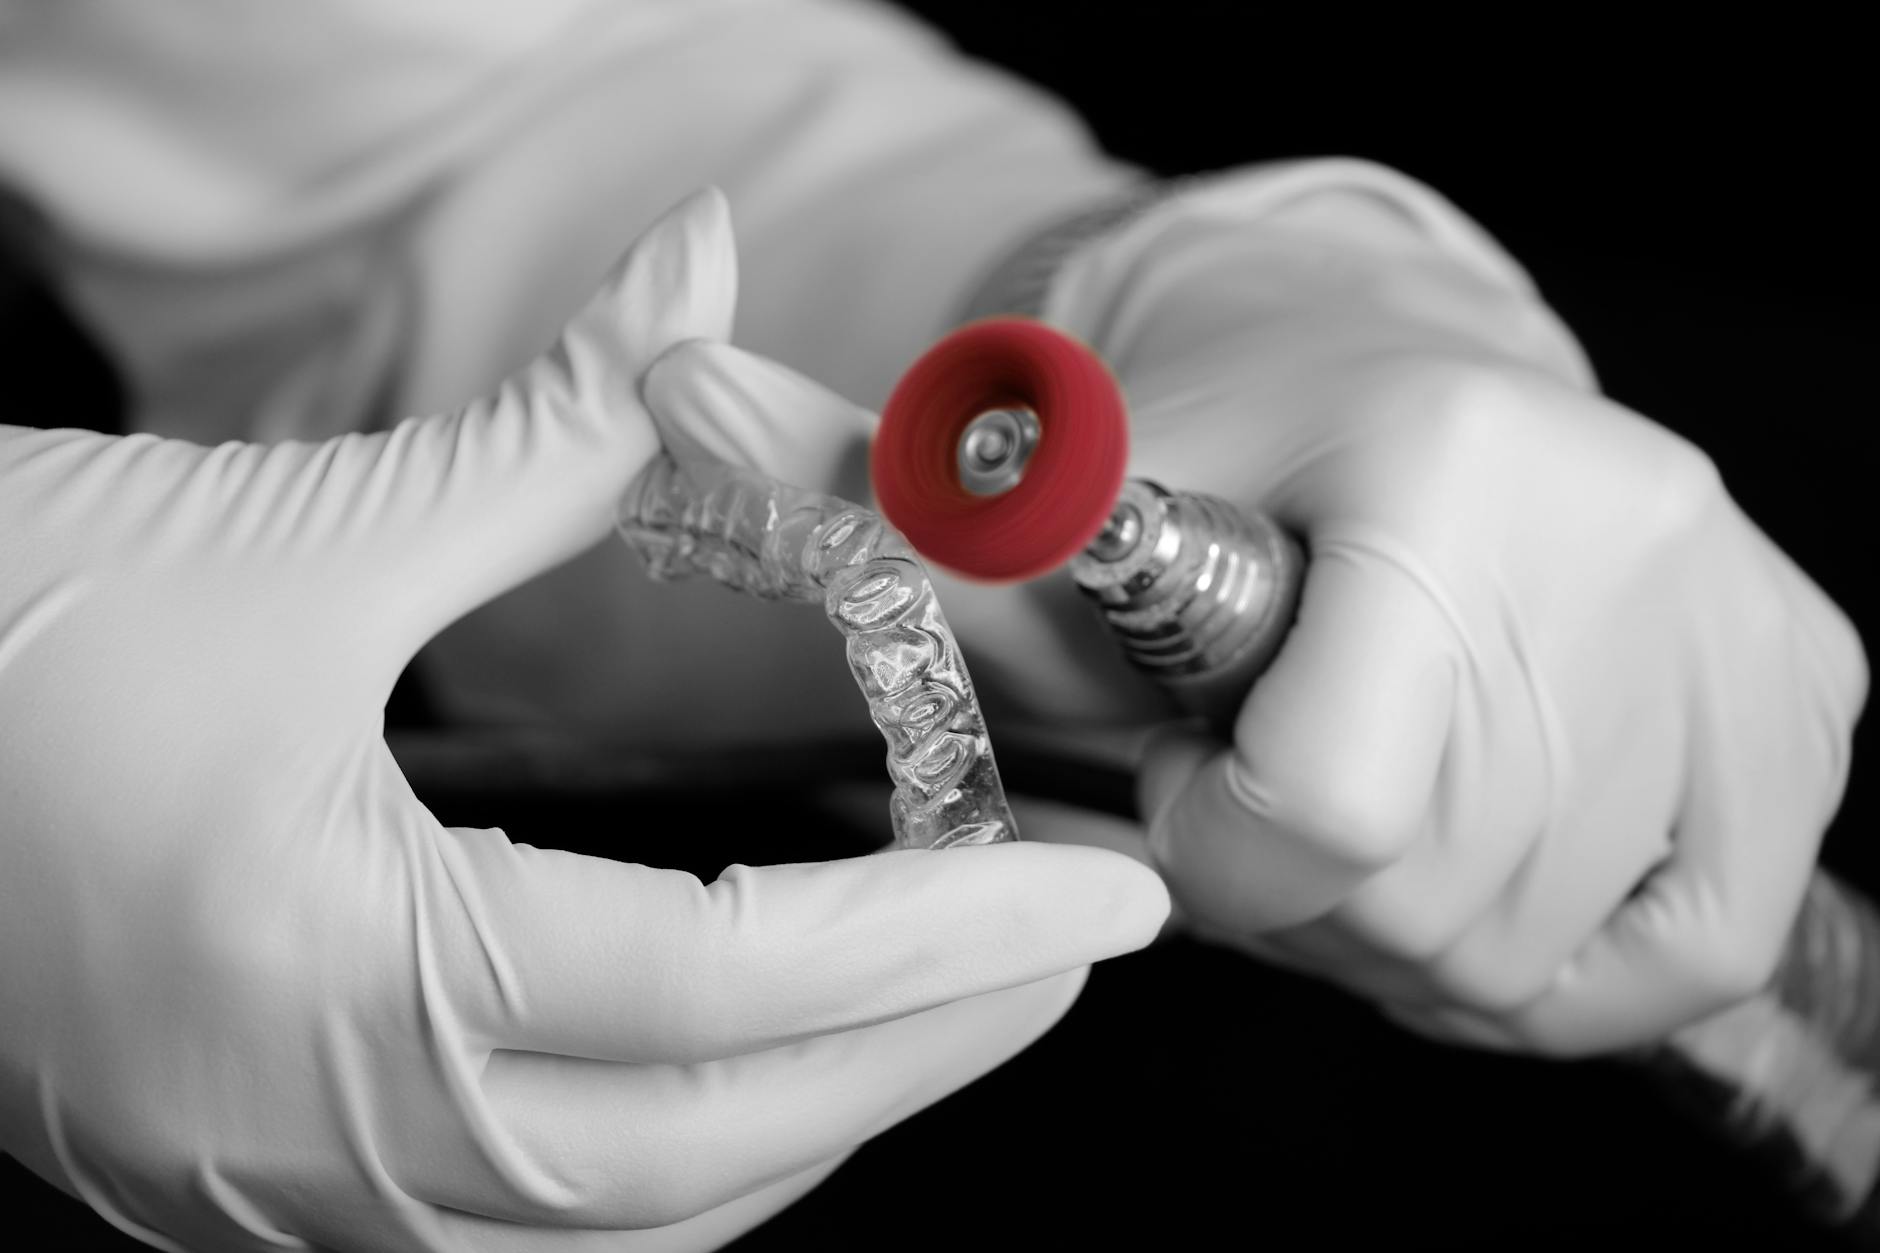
x=994 y=448
x=1121 y=532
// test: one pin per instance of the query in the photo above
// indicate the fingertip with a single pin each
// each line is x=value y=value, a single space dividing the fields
x=1104 y=901
x=1143 y=903
x=1008 y=914
x=678 y=281
x=713 y=400
x=710 y=210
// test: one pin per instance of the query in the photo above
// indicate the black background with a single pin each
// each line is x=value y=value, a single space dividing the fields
x=1693 y=201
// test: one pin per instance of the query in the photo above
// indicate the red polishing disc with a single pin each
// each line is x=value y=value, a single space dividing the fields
x=1070 y=482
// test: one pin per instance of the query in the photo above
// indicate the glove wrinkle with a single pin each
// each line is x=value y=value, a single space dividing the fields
x=499 y=986
x=39 y=615
x=223 y=1198
x=344 y=1054
x=95 y=1192
x=458 y=1055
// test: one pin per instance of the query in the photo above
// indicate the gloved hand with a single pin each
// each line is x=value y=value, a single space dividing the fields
x=253 y=995
x=1545 y=761
x=1546 y=758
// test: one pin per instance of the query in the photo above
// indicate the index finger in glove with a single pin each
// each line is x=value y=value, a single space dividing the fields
x=1335 y=758
x=713 y=402
x=557 y=953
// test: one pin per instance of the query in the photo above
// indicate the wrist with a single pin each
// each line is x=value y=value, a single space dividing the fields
x=1326 y=257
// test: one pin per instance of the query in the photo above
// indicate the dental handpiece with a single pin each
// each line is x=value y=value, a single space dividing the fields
x=1001 y=456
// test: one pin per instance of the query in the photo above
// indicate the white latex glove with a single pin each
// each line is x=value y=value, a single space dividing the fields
x=1546 y=759
x=253 y=996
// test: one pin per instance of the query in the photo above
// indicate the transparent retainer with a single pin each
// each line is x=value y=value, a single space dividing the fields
x=767 y=539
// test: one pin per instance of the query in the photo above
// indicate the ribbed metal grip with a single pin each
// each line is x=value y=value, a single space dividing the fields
x=1197 y=593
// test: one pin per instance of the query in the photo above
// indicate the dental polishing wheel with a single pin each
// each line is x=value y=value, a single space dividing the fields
x=1001 y=451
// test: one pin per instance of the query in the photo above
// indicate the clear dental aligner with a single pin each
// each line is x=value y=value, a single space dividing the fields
x=768 y=539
